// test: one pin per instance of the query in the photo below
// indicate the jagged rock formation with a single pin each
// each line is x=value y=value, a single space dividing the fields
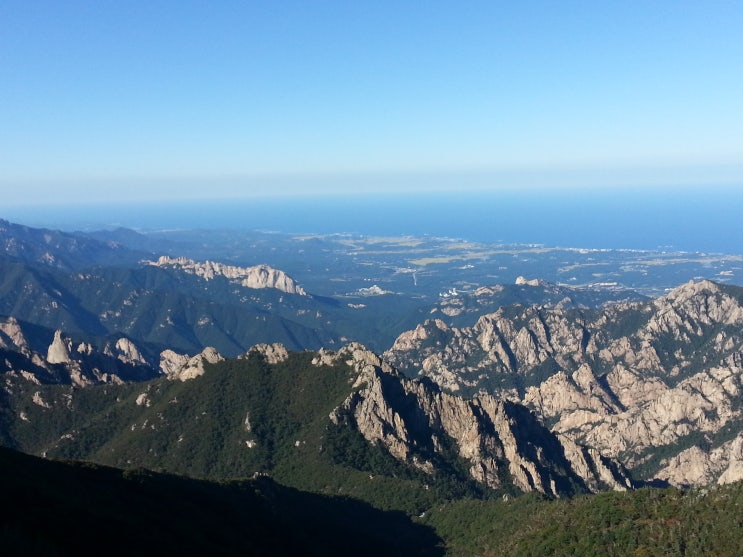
x=502 y=441
x=695 y=466
x=65 y=361
x=272 y=353
x=259 y=276
x=11 y=335
x=373 y=290
x=627 y=380
x=126 y=351
x=59 y=350
x=523 y=281
x=499 y=444
x=182 y=367
x=356 y=355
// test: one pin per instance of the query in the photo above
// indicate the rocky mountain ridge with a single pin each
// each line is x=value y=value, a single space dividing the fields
x=637 y=381
x=257 y=276
x=458 y=309
x=166 y=308
x=654 y=383
x=80 y=363
x=499 y=439
x=502 y=443
x=202 y=289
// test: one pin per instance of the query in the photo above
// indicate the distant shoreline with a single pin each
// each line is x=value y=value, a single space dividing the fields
x=698 y=221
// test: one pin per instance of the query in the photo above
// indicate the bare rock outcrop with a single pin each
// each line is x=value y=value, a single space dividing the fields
x=124 y=350
x=11 y=335
x=59 y=350
x=258 y=276
x=272 y=353
x=70 y=362
x=364 y=362
x=696 y=466
x=413 y=420
x=183 y=368
x=625 y=380
x=171 y=363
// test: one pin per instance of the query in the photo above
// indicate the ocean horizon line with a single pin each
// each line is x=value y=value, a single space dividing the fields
x=701 y=222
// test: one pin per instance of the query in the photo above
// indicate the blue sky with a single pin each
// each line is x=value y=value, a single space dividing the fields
x=145 y=100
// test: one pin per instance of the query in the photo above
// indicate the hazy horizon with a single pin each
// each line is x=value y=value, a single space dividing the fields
x=658 y=219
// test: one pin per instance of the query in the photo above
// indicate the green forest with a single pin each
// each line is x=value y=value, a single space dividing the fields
x=244 y=460
x=66 y=508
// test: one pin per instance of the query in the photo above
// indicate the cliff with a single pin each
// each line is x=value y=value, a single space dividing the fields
x=636 y=381
x=258 y=276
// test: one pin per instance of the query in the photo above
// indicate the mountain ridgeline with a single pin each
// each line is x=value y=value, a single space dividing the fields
x=472 y=412
x=330 y=422
x=124 y=284
x=89 y=288
x=655 y=384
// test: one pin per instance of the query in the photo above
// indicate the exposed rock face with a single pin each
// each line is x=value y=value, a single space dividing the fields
x=364 y=362
x=418 y=424
x=259 y=276
x=695 y=466
x=59 y=350
x=272 y=353
x=523 y=281
x=11 y=335
x=126 y=351
x=182 y=367
x=40 y=401
x=66 y=362
x=171 y=363
x=373 y=290
x=624 y=380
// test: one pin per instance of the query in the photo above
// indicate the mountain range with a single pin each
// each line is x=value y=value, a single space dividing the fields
x=272 y=412
x=136 y=358
x=655 y=384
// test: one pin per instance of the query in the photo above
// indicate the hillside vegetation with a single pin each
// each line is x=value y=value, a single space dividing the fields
x=56 y=508
x=242 y=418
x=643 y=523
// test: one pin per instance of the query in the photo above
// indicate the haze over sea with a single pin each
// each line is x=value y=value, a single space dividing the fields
x=699 y=219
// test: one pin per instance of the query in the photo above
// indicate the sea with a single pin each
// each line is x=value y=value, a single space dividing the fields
x=708 y=220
